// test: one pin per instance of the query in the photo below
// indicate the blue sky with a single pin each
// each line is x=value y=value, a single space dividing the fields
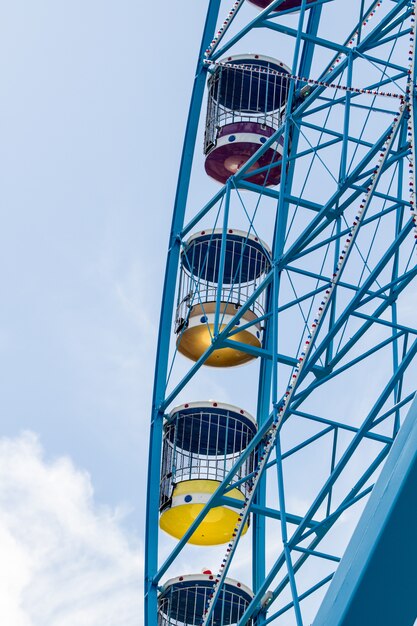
x=85 y=125
x=93 y=107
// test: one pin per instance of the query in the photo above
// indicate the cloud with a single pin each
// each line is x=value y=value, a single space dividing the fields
x=64 y=560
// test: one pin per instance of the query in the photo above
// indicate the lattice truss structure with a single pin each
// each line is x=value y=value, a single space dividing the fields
x=299 y=261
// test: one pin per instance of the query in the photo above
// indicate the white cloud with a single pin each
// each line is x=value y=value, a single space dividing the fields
x=64 y=560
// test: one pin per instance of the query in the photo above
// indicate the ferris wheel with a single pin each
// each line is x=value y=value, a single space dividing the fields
x=292 y=253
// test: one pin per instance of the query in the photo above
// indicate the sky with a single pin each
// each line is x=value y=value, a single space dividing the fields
x=92 y=117
x=93 y=107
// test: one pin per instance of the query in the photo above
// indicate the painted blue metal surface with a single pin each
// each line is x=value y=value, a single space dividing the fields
x=161 y=366
x=376 y=580
x=365 y=323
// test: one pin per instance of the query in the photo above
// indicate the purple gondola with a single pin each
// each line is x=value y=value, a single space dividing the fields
x=246 y=103
x=286 y=5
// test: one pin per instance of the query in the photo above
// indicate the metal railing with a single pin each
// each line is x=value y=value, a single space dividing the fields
x=181 y=606
x=203 y=445
x=244 y=95
x=247 y=266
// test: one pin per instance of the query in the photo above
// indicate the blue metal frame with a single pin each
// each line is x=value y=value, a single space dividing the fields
x=375 y=583
x=362 y=303
x=161 y=366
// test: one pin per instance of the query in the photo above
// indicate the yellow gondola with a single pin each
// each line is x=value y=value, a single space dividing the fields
x=202 y=440
x=246 y=263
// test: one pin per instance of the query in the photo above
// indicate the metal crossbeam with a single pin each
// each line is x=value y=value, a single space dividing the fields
x=338 y=293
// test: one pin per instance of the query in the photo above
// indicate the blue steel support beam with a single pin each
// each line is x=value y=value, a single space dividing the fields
x=319 y=531
x=345 y=231
x=302 y=59
x=354 y=186
x=322 y=220
x=303 y=596
x=355 y=302
x=300 y=396
x=376 y=580
x=372 y=319
x=367 y=425
x=257 y=21
x=218 y=342
x=152 y=510
x=299 y=535
x=324 y=217
x=304 y=70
